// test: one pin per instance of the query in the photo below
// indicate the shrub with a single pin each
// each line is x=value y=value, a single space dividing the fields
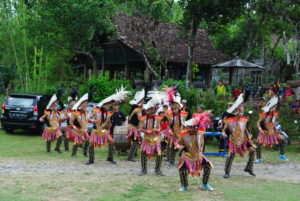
x=196 y=97
x=103 y=87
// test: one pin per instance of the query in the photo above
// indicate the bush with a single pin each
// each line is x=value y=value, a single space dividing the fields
x=196 y=97
x=103 y=87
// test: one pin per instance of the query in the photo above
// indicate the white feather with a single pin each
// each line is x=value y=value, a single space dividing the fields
x=52 y=100
x=85 y=97
x=237 y=103
x=271 y=103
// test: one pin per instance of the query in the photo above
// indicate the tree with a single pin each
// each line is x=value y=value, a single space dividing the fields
x=208 y=11
x=154 y=11
x=77 y=25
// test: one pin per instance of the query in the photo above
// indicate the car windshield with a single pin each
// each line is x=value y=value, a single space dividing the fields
x=21 y=102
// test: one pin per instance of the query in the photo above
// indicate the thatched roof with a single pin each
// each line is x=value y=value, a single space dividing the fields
x=167 y=38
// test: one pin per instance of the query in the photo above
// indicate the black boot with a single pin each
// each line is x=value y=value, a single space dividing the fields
x=258 y=152
x=158 y=165
x=132 y=151
x=206 y=173
x=249 y=166
x=183 y=177
x=74 y=150
x=48 y=146
x=58 y=143
x=228 y=165
x=85 y=148
x=66 y=143
x=168 y=152
x=282 y=148
x=143 y=163
x=110 y=156
x=172 y=157
x=91 y=155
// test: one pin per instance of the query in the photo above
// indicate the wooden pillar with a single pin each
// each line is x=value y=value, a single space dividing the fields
x=111 y=74
x=126 y=66
x=103 y=66
x=85 y=71
x=208 y=75
x=230 y=75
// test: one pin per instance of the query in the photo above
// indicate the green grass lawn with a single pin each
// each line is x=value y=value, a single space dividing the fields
x=30 y=146
x=102 y=186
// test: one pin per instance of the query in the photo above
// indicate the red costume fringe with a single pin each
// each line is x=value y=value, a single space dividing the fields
x=51 y=136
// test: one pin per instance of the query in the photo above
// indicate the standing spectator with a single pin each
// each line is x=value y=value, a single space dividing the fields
x=185 y=109
x=297 y=93
x=296 y=107
x=117 y=119
x=200 y=109
x=236 y=93
x=220 y=89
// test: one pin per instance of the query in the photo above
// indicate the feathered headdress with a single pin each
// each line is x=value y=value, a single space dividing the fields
x=173 y=95
x=52 y=101
x=171 y=91
x=73 y=95
x=84 y=98
x=271 y=103
x=155 y=98
x=119 y=96
x=237 y=103
x=201 y=120
x=138 y=97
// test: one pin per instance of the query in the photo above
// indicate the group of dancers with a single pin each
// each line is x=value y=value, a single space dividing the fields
x=157 y=123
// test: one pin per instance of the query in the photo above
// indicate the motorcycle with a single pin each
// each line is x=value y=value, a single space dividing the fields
x=284 y=135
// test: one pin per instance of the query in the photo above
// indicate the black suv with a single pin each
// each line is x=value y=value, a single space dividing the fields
x=22 y=111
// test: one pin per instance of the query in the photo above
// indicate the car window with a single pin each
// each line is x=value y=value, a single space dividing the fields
x=21 y=102
x=90 y=109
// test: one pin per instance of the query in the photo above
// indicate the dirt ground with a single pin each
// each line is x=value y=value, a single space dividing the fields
x=285 y=171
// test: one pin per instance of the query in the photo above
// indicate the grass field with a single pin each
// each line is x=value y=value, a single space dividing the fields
x=104 y=185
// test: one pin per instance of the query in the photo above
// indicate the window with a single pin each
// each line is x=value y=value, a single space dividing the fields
x=21 y=102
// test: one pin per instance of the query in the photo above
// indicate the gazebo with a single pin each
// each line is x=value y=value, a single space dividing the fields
x=236 y=64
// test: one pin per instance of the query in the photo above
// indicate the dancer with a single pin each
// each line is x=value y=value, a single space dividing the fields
x=240 y=139
x=176 y=118
x=268 y=133
x=133 y=133
x=149 y=126
x=67 y=114
x=102 y=118
x=53 y=130
x=192 y=160
x=79 y=123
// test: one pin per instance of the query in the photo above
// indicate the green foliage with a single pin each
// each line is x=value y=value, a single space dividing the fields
x=295 y=76
x=271 y=78
x=103 y=87
x=196 y=97
x=72 y=24
x=195 y=68
x=248 y=79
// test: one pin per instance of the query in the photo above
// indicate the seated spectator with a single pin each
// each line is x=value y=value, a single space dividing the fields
x=296 y=107
x=236 y=93
x=289 y=93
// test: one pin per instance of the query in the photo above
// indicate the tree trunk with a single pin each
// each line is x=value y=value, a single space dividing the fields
x=149 y=70
x=191 y=47
x=286 y=49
